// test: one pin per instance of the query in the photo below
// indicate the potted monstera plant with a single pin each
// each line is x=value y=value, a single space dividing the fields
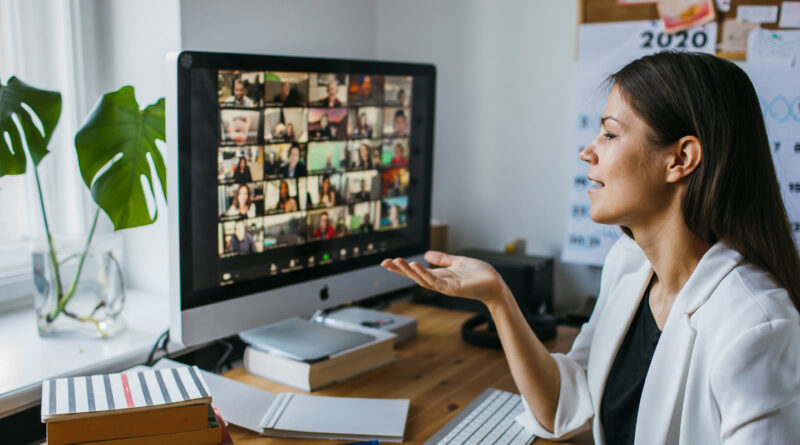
x=78 y=286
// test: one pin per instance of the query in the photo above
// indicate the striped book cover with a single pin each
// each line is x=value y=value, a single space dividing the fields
x=75 y=397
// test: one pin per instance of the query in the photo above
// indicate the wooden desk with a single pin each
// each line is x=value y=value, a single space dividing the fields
x=438 y=371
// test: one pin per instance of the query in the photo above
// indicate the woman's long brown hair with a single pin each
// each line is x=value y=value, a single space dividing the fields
x=734 y=195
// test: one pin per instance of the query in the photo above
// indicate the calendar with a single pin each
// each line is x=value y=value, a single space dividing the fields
x=778 y=89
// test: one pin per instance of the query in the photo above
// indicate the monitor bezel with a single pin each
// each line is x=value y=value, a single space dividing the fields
x=191 y=298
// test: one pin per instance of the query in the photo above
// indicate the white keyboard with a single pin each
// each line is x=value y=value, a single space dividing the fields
x=489 y=419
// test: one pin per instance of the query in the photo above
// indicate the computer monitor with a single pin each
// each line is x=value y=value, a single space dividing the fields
x=290 y=179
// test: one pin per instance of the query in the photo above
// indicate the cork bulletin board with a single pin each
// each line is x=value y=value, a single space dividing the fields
x=601 y=11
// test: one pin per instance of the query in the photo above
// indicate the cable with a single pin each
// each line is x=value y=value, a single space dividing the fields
x=221 y=362
x=161 y=344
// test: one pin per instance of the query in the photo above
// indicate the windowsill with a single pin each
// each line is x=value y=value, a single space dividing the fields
x=28 y=359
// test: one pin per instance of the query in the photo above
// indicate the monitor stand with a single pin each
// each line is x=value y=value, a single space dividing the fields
x=302 y=339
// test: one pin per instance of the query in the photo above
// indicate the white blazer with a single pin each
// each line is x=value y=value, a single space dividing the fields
x=726 y=368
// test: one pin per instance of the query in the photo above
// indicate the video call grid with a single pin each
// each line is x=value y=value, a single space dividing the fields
x=324 y=158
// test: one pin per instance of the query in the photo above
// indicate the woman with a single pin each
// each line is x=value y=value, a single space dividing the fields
x=363 y=129
x=364 y=160
x=242 y=172
x=695 y=337
x=242 y=206
x=324 y=131
x=286 y=203
x=327 y=195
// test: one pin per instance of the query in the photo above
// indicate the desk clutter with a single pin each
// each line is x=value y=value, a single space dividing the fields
x=312 y=375
x=171 y=405
x=167 y=406
x=383 y=330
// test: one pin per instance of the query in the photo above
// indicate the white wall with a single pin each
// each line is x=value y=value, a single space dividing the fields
x=505 y=73
x=124 y=44
x=322 y=28
x=503 y=152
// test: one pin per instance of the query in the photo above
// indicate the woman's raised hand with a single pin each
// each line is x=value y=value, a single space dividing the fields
x=457 y=276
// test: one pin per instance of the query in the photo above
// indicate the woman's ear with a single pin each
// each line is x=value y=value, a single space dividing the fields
x=686 y=156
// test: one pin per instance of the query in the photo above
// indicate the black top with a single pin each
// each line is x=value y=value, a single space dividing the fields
x=620 y=404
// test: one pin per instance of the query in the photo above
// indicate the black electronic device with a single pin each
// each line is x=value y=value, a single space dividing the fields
x=290 y=179
x=530 y=279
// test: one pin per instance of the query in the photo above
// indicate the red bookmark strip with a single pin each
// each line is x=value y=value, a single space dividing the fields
x=127 y=388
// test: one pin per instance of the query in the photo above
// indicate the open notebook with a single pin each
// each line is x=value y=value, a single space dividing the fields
x=305 y=416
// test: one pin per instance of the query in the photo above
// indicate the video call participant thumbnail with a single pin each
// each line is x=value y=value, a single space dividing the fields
x=323 y=190
x=328 y=90
x=286 y=89
x=285 y=125
x=364 y=122
x=327 y=123
x=326 y=224
x=241 y=237
x=325 y=157
x=397 y=90
x=239 y=164
x=396 y=122
x=362 y=185
x=394 y=182
x=393 y=213
x=238 y=89
x=365 y=89
x=395 y=152
x=283 y=196
x=239 y=127
x=364 y=154
x=363 y=217
x=287 y=229
x=241 y=200
x=295 y=166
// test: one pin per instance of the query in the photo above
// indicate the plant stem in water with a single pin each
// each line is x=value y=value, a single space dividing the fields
x=64 y=299
x=51 y=245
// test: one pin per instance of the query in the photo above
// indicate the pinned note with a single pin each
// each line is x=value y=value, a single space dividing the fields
x=757 y=14
x=790 y=15
x=774 y=47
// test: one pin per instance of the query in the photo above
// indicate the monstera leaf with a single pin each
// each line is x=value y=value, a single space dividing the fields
x=115 y=147
x=37 y=112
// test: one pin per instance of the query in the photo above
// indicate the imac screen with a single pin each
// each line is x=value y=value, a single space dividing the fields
x=299 y=168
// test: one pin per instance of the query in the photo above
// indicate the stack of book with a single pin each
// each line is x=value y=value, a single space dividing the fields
x=308 y=376
x=159 y=406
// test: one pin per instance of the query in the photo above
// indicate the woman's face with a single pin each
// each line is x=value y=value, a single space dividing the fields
x=627 y=184
x=284 y=190
x=243 y=197
x=364 y=151
x=326 y=185
x=242 y=164
x=323 y=121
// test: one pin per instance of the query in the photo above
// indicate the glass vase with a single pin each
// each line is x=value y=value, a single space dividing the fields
x=89 y=306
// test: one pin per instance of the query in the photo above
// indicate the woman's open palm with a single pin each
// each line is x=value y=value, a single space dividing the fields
x=457 y=276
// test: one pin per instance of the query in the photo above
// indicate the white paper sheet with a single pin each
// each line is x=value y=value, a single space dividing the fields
x=757 y=14
x=773 y=47
x=790 y=15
